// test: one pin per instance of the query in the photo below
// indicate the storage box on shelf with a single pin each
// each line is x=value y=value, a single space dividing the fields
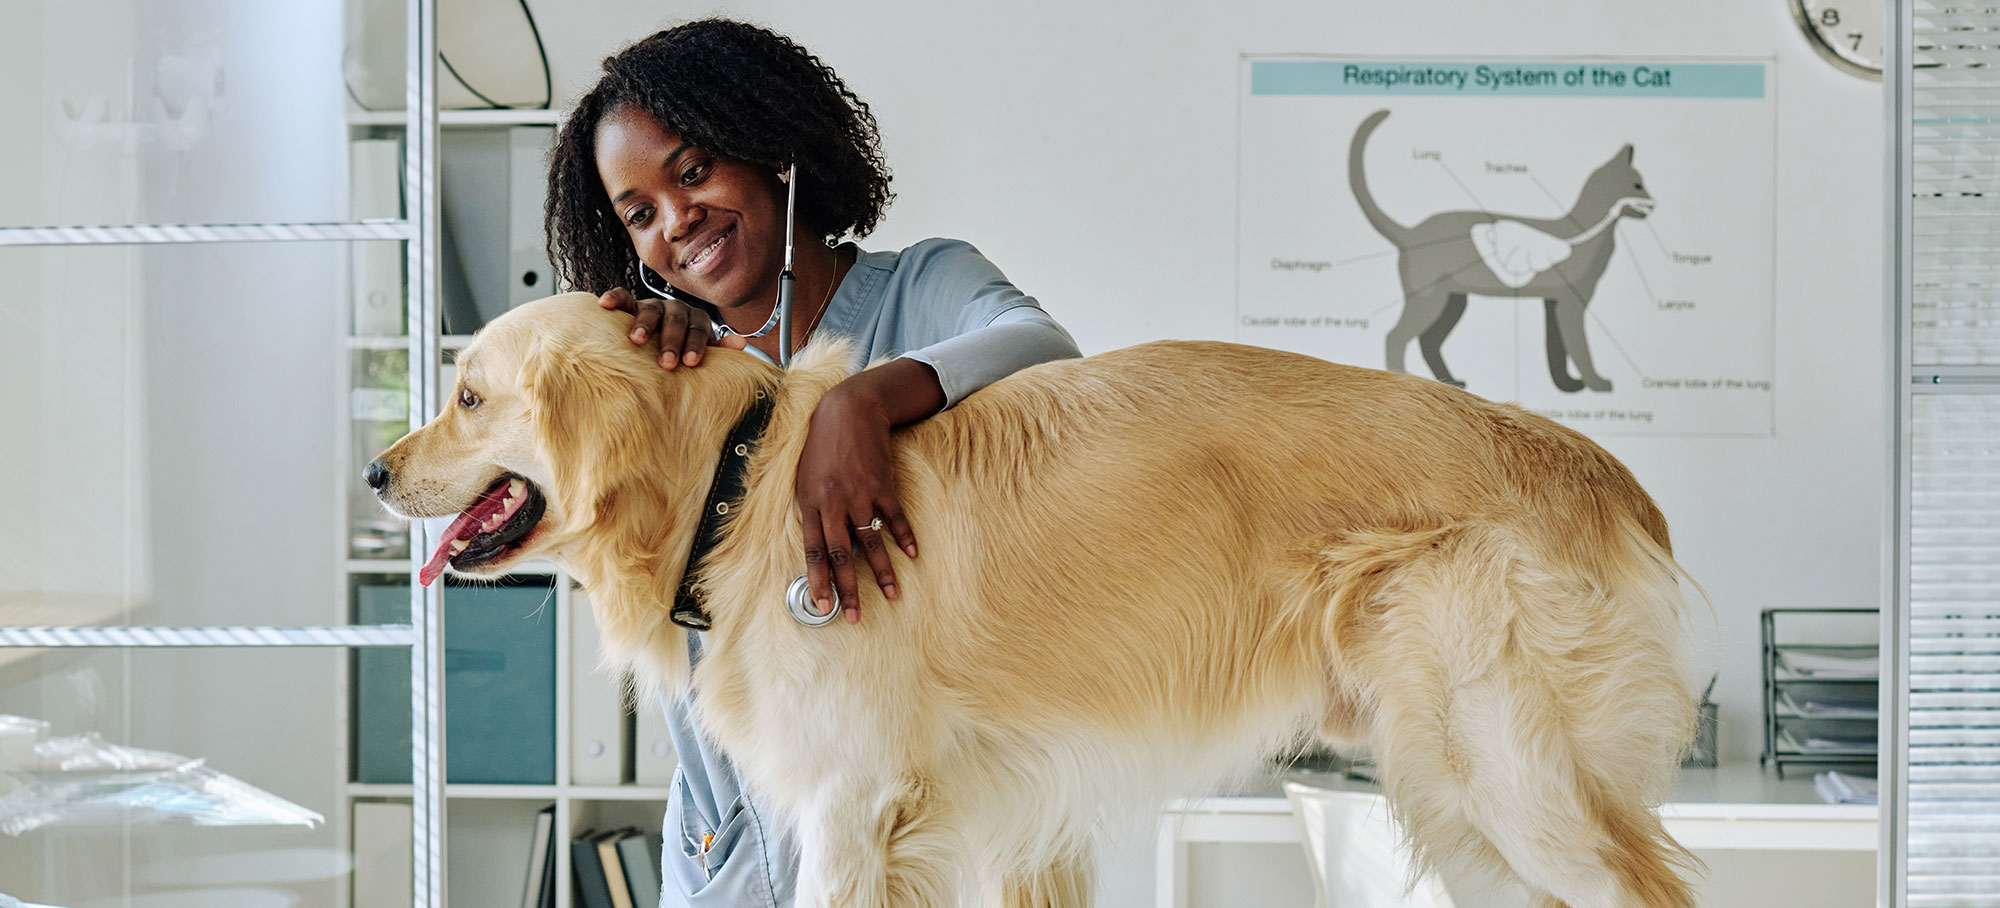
x=1820 y=695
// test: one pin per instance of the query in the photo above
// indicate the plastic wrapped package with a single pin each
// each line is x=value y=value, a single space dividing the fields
x=80 y=780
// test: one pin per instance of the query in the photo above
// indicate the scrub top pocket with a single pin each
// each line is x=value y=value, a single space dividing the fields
x=736 y=869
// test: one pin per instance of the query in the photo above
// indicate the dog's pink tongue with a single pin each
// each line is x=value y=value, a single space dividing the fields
x=443 y=554
x=465 y=526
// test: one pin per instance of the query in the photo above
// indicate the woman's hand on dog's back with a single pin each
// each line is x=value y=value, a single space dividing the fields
x=845 y=476
x=683 y=330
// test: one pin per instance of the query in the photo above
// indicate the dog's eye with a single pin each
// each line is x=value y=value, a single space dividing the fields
x=467 y=399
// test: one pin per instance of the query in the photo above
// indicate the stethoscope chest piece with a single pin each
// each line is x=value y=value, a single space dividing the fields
x=798 y=598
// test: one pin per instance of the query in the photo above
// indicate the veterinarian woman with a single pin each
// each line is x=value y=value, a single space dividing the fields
x=667 y=175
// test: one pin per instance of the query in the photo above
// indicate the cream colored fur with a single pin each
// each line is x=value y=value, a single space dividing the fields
x=1141 y=572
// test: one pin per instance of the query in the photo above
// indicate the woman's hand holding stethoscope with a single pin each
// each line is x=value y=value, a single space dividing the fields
x=846 y=490
x=846 y=483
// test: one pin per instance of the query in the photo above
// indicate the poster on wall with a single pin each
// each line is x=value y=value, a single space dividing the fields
x=1590 y=238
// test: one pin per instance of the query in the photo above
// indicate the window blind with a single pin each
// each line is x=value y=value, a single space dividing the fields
x=1953 y=740
x=1942 y=816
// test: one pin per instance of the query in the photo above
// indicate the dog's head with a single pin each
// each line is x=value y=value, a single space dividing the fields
x=554 y=414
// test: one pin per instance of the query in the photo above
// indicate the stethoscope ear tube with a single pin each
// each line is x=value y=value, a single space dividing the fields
x=785 y=279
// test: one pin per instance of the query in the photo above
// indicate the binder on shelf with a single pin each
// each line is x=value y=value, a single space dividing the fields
x=376 y=268
x=639 y=855
x=381 y=847
x=600 y=744
x=529 y=274
x=499 y=679
x=541 y=859
x=653 y=757
x=493 y=183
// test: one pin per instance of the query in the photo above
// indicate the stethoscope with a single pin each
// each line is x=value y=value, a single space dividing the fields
x=798 y=596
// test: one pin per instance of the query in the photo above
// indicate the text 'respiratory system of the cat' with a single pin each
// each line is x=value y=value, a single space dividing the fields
x=1571 y=235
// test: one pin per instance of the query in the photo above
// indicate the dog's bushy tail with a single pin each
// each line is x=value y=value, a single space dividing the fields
x=1524 y=697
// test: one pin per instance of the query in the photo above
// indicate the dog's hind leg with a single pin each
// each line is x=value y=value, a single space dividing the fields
x=1526 y=714
x=1064 y=884
x=1561 y=827
x=877 y=846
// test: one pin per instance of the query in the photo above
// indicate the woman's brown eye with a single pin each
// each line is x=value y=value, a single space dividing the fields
x=467 y=399
x=693 y=174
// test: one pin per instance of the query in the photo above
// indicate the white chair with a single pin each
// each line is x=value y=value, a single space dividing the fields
x=1356 y=851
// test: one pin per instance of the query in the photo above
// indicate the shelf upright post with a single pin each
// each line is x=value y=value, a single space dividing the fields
x=1892 y=767
x=420 y=107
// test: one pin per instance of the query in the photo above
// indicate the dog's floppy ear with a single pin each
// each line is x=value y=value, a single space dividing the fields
x=577 y=419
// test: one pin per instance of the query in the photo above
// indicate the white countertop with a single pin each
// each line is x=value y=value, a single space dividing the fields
x=1731 y=791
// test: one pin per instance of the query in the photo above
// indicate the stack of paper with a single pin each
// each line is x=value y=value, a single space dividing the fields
x=1817 y=741
x=1829 y=663
x=1832 y=704
x=1842 y=788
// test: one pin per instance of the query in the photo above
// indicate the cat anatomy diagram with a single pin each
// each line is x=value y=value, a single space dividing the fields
x=1572 y=237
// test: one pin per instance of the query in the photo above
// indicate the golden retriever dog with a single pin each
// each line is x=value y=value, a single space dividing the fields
x=1142 y=573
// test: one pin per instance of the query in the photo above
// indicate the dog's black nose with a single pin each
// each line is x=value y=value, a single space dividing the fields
x=376 y=475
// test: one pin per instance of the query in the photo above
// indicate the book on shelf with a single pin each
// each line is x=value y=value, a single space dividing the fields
x=541 y=862
x=587 y=872
x=639 y=855
x=614 y=869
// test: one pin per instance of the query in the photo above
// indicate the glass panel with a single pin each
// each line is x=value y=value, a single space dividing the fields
x=103 y=802
x=379 y=389
x=178 y=421
x=194 y=111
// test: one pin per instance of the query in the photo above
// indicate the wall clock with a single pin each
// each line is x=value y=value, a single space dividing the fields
x=1848 y=33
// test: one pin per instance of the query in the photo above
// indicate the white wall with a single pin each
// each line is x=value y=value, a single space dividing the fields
x=1090 y=150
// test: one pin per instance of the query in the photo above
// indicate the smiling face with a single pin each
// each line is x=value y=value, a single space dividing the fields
x=712 y=226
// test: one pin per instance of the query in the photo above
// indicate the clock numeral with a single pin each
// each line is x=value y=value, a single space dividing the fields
x=1856 y=36
x=1829 y=17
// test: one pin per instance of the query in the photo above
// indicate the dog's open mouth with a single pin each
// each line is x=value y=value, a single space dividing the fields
x=489 y=530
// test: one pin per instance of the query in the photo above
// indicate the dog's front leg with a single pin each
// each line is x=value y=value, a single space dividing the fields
x=876 y=843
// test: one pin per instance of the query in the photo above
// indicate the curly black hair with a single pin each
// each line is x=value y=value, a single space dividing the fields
x=735 y=90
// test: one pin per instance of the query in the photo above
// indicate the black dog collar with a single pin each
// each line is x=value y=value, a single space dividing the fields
x=725 y=496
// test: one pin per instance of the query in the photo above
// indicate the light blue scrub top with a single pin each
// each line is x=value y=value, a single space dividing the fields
x=939 y=302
